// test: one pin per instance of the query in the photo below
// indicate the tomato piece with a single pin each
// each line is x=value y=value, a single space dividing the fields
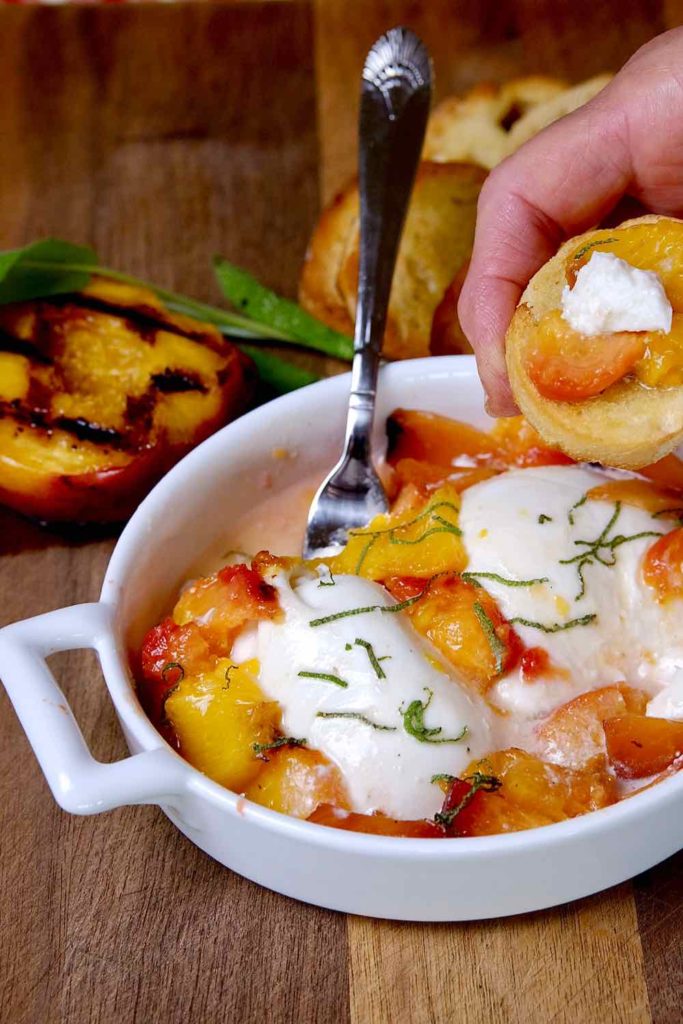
x=573 y=734
x=375 y=824
x=405 y=587
x=663 y=566
x=295 y=781
x=459 y=793
x=639 y=746
x=224 y=603
x=168 y=652
x=465 y=624
x=566 y=366
x=536 y=663
x=531 y=793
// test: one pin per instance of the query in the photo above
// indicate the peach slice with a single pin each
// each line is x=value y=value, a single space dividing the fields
x=638 y=746
x=573 y=734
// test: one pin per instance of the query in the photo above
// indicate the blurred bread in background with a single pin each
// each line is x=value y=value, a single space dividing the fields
x=437 y=240
x=476 y=127
x=539 y=117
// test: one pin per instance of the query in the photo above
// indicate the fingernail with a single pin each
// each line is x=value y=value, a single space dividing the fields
x=498 y=409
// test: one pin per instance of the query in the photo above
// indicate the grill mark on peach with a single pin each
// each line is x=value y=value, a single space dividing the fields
x=21 y=347
x=141 y=320
x=174 y=381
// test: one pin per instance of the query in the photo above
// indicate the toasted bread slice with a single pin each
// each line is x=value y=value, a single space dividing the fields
x=476 y=127
x=627 y=425
x=437 y=240
x=319 y=290
x=540 y=115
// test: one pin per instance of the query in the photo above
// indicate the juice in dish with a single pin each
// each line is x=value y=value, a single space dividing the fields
x=503 y=650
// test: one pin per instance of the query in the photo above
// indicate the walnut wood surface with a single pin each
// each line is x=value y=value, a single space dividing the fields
x=162 y=135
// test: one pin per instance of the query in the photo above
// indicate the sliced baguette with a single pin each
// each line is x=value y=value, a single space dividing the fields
x=476 y=127
x=437 y=240
x=541 y=115
x=628 y=425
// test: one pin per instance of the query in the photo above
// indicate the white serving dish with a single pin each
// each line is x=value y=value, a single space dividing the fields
x=186 y=515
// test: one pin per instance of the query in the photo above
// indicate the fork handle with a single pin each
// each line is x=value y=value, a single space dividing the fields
x=394 y=106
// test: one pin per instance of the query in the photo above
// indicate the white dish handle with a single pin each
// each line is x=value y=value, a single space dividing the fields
x=80 y=784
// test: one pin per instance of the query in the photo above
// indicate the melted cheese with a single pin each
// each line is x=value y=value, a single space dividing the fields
x=668 y=703
x=632 y=637
x=525 y=524
x=384 y=769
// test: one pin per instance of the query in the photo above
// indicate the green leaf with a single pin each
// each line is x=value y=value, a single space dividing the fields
x=50 y=267
x=276 y=373
x=261 y=304
x=414 y=725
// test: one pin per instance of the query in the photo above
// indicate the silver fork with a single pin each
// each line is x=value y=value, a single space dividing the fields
x=394 y=105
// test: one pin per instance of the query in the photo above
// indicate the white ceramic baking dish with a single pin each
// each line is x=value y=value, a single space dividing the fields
x=186 y=516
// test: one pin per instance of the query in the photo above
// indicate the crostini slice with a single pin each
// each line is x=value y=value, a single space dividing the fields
x=613 y=397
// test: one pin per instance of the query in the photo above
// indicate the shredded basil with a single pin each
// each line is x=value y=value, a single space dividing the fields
x=385 y=609
x=404 y=526
x=591 y=245
x=173 y=666
x=575 y=506
x=602 y=549
x=364 y=554
x=374 y=660
x=543 y=518
x=678 y=512
x=447 y=528
x=472 y=577
x=358 y=717
x=282 y=741
x=442 y=526
x=413 y=722
x=487 y=783
x=443 y=777
x=554 y=627
x=498 y=648
x=325 y=676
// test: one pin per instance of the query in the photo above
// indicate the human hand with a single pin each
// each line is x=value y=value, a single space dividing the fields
x=627 y=141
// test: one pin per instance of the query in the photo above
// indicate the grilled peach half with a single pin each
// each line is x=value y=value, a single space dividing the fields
x=100 y=393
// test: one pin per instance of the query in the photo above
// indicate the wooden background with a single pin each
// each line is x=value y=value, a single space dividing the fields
x=162 y=135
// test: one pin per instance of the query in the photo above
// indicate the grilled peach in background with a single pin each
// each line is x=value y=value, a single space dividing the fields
x=100 y=393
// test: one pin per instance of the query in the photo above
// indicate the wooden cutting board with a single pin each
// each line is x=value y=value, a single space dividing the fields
x=162 y=135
